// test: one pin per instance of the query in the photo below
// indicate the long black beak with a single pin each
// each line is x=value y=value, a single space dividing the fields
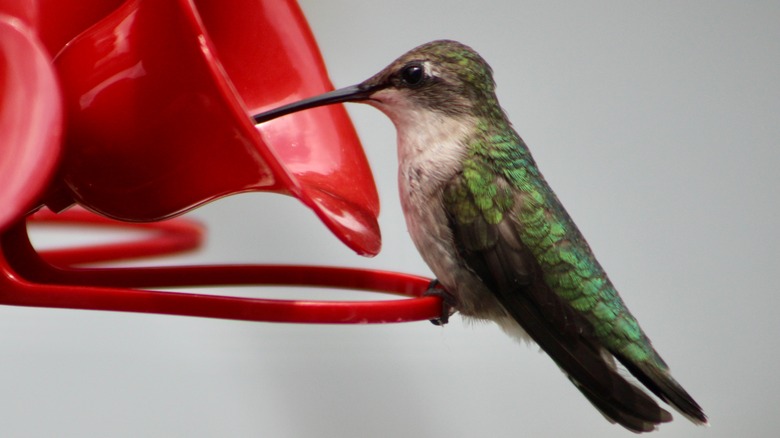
x=346 y=94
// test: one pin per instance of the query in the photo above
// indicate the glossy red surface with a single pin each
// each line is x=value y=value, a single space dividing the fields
x=159 y=97
x=30 y=119
x=58 y=21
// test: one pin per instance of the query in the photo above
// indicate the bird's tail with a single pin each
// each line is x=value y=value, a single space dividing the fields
x=593 y=373
x=637 y=412
x=656 y=377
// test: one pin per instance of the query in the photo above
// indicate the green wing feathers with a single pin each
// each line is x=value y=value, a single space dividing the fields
x=515 y=234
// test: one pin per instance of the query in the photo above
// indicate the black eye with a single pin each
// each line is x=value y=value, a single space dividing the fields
x=413 y=74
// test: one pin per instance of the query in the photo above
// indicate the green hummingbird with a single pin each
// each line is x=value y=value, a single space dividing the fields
x=498 y=239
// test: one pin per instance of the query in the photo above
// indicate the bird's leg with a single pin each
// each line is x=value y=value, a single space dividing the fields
x=448 y=302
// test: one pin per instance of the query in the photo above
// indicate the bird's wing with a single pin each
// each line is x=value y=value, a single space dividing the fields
x=488 y=239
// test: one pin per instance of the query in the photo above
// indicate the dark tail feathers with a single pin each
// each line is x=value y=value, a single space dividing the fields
x=658 y=380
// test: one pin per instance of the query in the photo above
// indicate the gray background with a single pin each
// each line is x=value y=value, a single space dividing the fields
x=657 y=125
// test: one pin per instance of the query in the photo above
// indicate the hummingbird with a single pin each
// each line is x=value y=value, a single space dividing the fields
x=497 y=238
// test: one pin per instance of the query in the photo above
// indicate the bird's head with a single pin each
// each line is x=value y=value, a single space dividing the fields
x=443 y=77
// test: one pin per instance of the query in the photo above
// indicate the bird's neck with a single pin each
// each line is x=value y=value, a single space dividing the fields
x=431 y=145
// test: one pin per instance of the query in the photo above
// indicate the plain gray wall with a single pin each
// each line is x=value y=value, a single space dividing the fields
x=656 y=123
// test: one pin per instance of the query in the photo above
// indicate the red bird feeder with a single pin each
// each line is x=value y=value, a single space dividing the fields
x=155 y=101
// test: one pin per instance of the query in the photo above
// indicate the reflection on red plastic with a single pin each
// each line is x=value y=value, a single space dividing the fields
x=30 y=120
x=58 y=21
x=28 y=279
x=149 y=138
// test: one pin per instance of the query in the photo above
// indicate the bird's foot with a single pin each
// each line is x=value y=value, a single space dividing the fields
x=448 y=302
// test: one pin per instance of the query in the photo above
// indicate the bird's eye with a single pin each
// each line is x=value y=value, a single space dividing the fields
x=413 y=75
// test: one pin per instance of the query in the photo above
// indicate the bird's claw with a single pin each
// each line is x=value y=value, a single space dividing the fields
x=448 y=302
